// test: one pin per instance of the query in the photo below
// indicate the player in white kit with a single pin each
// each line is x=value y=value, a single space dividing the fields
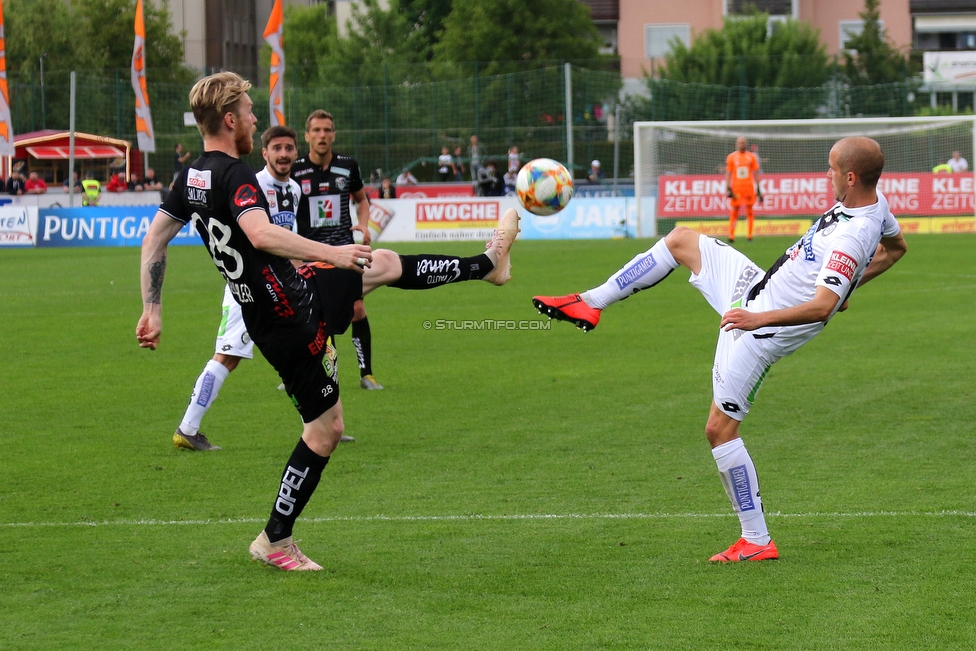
x=233 y=344
x=765 y=315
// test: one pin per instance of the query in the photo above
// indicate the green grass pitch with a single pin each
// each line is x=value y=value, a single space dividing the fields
x=510 y=489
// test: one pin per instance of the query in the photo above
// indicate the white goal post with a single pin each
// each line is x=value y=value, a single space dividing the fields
x=679 y=171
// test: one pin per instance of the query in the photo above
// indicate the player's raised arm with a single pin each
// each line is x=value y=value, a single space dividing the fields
x=889 y=251
x=153 y=269
x=267 y=237
x=819 y=308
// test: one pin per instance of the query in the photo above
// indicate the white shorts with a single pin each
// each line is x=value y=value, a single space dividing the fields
x=232 y=337
x=741 y=363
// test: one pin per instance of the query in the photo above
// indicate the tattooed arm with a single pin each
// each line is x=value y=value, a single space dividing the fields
x=163 y=229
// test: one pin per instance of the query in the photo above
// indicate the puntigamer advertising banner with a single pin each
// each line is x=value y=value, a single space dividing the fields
x=124 y=226
x=809 y=195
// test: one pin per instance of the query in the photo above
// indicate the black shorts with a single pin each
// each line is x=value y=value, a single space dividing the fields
x=305 y=356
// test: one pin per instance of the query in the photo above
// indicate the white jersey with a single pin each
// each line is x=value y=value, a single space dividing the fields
x=834 y=254
x=282 y=198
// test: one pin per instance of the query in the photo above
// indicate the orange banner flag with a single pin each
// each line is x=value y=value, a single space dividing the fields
x=274 y=37
x=144 y=126
x=6 y=125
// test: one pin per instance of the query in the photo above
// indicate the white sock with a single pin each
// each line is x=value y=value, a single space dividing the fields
x=741 y=484
x=204 y=393
x=646 y=270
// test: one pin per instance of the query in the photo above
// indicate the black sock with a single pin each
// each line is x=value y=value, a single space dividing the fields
x=363 y=342
x=298 y=482
x=426 y=271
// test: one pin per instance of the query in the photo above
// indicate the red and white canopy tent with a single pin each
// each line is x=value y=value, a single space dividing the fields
x=51 y=145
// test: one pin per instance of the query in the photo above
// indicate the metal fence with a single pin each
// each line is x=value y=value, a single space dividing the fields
x=399 y=120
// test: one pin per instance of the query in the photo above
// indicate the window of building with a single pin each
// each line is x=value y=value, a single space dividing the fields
x=771 y=7
x=848 y=29
x=657 y=38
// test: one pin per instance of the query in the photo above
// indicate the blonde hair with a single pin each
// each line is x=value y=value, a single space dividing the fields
x=213 y=97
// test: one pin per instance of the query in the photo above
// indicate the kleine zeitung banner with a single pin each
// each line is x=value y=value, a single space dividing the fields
x=810 y=194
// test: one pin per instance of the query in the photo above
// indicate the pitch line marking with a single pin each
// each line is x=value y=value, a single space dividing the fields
x=477 y=517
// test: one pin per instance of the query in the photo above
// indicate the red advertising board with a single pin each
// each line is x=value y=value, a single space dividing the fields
x=809 y=194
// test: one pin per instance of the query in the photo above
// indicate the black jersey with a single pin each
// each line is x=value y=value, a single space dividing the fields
x=323 y=211
x=213 y=192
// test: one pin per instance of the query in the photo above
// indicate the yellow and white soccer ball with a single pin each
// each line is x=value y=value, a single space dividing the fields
x=544 y=186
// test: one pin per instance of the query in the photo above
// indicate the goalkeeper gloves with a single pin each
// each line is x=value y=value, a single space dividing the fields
x=729 y=192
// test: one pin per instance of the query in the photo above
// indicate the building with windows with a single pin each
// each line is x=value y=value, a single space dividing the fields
x=944 y=25
x=224 y=34
x=646 y=27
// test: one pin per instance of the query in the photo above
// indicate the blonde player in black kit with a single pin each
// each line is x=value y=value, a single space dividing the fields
x=328 y=180
x=291 y=314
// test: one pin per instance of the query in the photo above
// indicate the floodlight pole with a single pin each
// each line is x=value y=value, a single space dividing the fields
x=616 y=147
x=43 y=111
x=71 y=145
x=567 y=73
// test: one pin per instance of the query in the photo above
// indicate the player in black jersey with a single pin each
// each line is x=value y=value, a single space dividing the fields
x=291 y=314
x=328 y=180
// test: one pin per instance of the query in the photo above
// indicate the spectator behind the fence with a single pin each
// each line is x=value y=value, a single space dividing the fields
x=134 y=184
x=596 y=174
x=475 y=153
x=456 y=165
x=116 y=183
x=35 y=184
x=406 y=178
x=514 y=159
x=957 y=163
x=15 y=184
x=387 y=191
x=489 y=182
x=510 y=178
x=77 y=183
x=444 y=164
x=179 y=159
x=151 y=182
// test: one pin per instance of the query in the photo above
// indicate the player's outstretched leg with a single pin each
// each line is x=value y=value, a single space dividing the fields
x=362 y=341
x=188 y=435
x=500 y=246
x=741 y=483
x=427 y=271
x=274 y=546
x=644 y=271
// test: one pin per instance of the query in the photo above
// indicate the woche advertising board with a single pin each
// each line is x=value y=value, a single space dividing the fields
x=412 y=220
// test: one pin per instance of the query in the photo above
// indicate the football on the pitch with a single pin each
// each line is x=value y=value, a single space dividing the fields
x=544 y=186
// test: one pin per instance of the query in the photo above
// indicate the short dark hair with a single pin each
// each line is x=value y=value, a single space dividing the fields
x=278 y=131
x=318 y=114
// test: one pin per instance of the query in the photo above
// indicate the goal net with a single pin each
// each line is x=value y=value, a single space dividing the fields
x=680 y=172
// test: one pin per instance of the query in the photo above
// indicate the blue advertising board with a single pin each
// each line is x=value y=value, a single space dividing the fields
x=591 y=191
x=584 y=219
x=110 y=226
